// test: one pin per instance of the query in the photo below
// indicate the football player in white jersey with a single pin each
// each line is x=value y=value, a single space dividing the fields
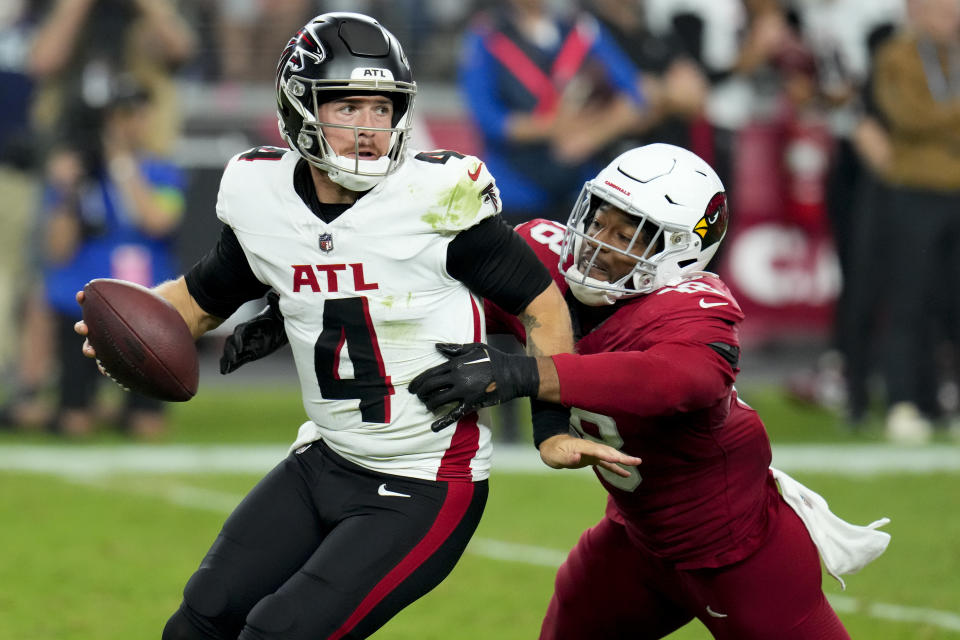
x=373 y=253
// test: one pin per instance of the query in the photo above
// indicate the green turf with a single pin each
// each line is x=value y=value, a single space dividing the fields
x=273 y=414
x=81 y=552
x=107 y=557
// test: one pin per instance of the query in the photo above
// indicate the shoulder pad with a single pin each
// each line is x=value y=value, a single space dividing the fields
x=525 y=228
x=541 y=231
x=254 y=157
x=703 y=293
x=245 y=177
x=545 y=237
x=466 y=192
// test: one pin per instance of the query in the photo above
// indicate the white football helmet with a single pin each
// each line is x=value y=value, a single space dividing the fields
x=680 y=207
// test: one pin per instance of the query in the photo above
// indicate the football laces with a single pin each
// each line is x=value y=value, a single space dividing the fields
x=103 y=370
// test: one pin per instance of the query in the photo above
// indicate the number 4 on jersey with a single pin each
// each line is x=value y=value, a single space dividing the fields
x=347 y=328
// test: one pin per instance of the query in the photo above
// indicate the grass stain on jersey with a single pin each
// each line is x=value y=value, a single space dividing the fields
x=462 y=206
x=390 y=301
x=401 y=331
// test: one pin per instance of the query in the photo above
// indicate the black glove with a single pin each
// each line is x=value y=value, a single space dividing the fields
x=256 y=338
x=476 y=376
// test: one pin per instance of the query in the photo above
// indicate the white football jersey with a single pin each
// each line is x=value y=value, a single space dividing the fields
x=364 y=299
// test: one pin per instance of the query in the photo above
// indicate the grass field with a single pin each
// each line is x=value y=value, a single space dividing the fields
x=101 y=552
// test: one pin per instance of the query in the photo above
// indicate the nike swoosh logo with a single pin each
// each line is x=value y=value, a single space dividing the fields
x=383 y=491
x=475 y=174
x=706 y=305
x=714 y=613
x=477 y=361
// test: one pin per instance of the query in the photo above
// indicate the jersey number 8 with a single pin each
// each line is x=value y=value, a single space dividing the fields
x=606 y=427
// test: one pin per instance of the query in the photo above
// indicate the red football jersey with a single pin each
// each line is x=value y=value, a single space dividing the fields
x=647 y=381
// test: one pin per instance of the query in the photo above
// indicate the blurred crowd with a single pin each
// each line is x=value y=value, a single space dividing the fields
x=835 y=125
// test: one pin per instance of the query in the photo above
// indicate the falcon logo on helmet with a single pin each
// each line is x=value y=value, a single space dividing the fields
x=302 y=47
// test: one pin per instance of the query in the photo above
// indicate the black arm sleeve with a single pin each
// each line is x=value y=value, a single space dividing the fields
x=222 y=280
x=494 y=262
x=548 y=420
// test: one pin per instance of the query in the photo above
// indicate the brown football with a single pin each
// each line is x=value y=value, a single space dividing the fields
x=141 y=340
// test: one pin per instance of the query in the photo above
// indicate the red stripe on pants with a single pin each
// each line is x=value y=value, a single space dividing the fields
x=459 y=496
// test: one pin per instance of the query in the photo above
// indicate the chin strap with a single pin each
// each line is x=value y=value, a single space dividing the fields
x=589 y=290
x=343 y=174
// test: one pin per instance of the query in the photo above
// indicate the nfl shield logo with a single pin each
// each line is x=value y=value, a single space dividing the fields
x=326 y=242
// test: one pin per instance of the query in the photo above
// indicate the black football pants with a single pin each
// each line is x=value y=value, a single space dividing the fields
x=322 y=548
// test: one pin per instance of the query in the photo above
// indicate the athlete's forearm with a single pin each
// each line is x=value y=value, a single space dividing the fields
x=547 y=324
x=176 y=293
x=549 y=380
x=549 y=331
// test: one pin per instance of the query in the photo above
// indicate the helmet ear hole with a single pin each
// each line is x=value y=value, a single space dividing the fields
x=296 y=88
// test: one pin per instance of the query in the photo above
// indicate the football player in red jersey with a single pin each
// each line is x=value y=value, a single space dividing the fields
x=700 y=529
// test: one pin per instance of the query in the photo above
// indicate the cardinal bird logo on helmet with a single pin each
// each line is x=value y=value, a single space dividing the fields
x=713 y=224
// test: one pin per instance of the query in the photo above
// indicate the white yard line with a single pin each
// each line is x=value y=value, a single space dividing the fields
x=895 y=612
x=71 y=460
x=513 y=552
x=140 y=458
x=224 y=502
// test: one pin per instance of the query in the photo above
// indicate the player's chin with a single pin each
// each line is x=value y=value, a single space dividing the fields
x=597 y=273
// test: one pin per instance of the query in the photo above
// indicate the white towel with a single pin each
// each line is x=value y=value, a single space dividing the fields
x=844 y=547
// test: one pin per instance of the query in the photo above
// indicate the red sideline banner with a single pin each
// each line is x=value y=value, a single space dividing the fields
x=778 y=257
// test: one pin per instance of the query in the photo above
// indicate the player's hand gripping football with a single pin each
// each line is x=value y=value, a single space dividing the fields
x=567 y=452
x=139 y=339
x=258 y=337
x=475 y=376
x=81 y=328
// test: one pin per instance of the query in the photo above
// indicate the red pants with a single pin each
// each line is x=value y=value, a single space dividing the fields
x=609 y=588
